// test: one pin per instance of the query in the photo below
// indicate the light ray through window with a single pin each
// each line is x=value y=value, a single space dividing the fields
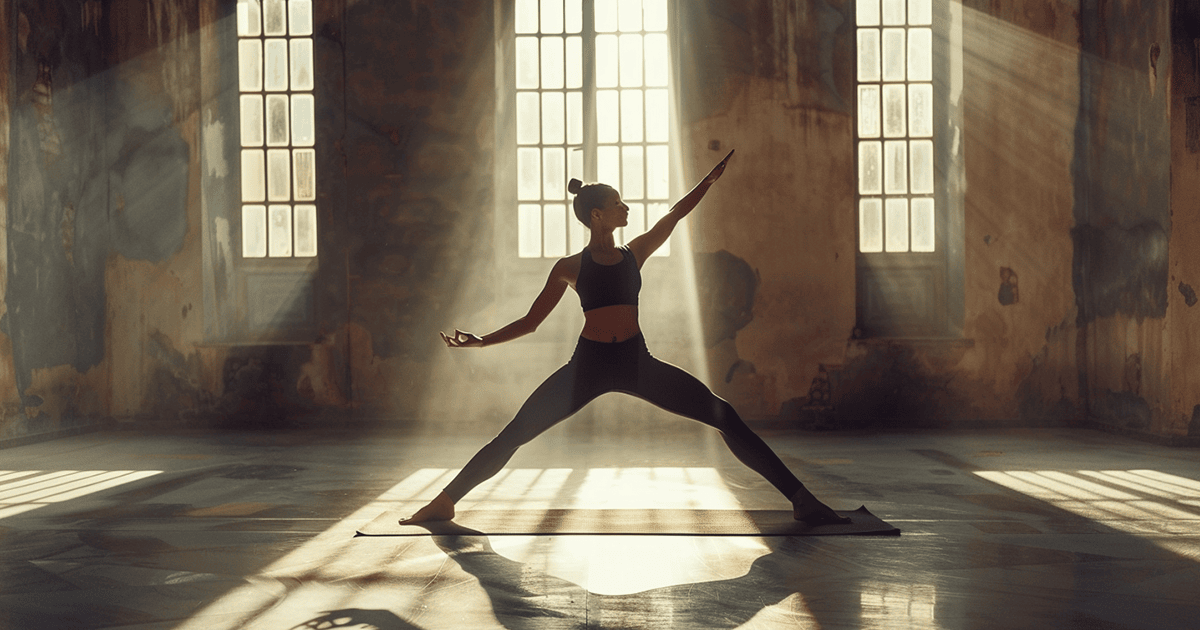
x=24 y=491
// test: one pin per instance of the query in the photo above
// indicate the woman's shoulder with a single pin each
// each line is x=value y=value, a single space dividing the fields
x=568 y=267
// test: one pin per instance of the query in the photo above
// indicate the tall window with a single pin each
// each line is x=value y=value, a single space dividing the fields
x=277 y=128
x=896 y=208
x=592 y=102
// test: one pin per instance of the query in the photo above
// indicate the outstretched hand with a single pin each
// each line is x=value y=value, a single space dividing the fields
x=715 y=174
x=462 y=339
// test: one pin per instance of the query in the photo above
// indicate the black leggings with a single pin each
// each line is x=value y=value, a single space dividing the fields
x=597 y=368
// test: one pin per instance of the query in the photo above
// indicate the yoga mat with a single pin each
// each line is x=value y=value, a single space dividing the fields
x=630 y=522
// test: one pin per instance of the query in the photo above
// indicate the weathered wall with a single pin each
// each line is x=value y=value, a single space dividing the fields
x=420 y=85
x=773 y=80
x=1078 y=271
x=1122 y=211
x=1182 y=323
x=100 y=163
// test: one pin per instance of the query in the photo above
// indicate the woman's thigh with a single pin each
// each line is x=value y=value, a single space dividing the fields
x=675 y=390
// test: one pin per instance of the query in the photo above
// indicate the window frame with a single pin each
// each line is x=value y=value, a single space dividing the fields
x=920 y=295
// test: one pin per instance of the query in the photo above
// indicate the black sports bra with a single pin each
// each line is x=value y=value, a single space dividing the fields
x=604 y=285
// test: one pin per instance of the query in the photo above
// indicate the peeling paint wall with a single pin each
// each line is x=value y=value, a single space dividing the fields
x=1079 y=269
x=1122 y=210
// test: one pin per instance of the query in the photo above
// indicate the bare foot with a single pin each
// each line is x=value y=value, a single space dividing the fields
x=439 y=509
x=810 y=510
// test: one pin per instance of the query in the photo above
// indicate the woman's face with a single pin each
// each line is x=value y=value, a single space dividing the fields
x=612 y=212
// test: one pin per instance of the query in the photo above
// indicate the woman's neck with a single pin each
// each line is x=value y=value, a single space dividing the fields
x=602 y=241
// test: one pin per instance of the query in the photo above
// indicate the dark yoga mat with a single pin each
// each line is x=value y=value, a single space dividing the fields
x=631 y=522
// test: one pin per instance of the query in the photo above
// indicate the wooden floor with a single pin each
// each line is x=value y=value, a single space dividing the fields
x=231 y=530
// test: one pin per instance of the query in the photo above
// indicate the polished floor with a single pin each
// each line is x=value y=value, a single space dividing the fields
x=231 y=530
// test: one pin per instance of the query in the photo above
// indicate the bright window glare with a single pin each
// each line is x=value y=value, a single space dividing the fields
x=23 y=491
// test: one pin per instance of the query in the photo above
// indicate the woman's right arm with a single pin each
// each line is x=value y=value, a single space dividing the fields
x=556 y=285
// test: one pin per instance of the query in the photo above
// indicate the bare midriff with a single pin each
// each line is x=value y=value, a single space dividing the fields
x=611 y=324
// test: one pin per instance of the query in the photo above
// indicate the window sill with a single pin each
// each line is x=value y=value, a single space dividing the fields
x=916 y=342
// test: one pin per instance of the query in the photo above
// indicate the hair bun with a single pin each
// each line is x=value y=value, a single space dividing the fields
x=574 y=186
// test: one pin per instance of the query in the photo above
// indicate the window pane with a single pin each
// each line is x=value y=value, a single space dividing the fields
x=250 y=65
x=304 y=174
x=526 y=16
x=607 y=116
x=552 y=16
x=279 y=231
x=870 y=225
x=895 y=167
x=306 y=231
x=631 y=115
x=276 y=77
x=637 y=222
x=658 y=123
x=658 y=61
x=302 y=64
x=922 y=166
x=896 y=216
x=923 y=225
x=655 y=12
x=894 y=110
x=920 y=103
x=575 y=163
x=893 y=12
x=552 y=63
x=254 y=231
x=606 y=61
x=554 y=230
x=279 y=175
x=574 y=118
x=633 y=173
x=529 y=231
x=529 y=118
x=606 y=16
x=273 y=18
x=529 y=174
x=631 y=61
x=249 y=18
x=920 y=12
x=870 y=168
x=655 y=212
x=554 y=174
x=920 y=54
x=630 y=15
x=278 y=132
x=868 y=55
x=304 y=127
x=527 y=63
x=867 y=14
x=252 y=120
x=254 y=175
x=868 y=111
x=574 y=16
x=658 y=172
x=574 y=62
x=893 y=54
x=300 y=18
x=553 y=118
x=608 y=165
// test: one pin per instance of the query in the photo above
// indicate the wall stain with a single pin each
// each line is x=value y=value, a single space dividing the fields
x=1009 y=294
x=726 y=295
x=1189 y=294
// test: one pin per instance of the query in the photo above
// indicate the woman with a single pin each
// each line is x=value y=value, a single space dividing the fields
x=611 y=355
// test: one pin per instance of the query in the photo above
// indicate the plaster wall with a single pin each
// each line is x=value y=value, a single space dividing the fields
x=1076 y=259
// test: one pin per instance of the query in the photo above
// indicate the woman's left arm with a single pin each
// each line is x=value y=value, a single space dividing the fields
x=646 y=244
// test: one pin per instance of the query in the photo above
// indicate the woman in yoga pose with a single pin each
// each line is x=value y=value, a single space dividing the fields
x=611 y=355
